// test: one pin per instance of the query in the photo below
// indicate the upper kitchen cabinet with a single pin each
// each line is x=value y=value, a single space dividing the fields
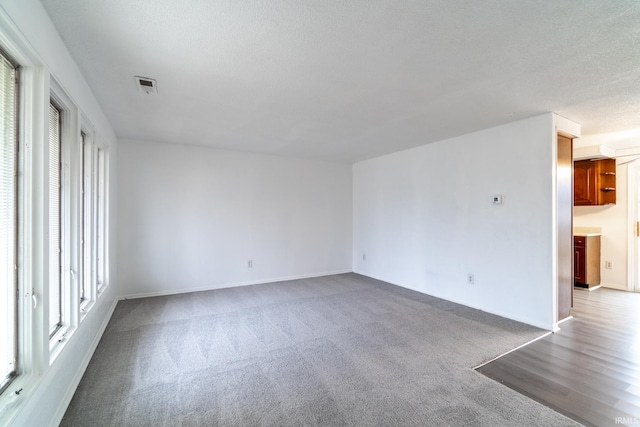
x=594 y=182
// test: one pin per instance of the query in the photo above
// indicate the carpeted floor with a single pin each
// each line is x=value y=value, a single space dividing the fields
x=330 y=351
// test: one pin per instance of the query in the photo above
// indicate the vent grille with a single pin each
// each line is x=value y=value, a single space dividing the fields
x=146 y=85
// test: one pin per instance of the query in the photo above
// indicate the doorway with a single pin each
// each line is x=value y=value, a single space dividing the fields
x=633 y=174
x=564 y=194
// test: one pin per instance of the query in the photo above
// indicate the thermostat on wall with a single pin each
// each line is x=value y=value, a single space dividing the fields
x=497 y=199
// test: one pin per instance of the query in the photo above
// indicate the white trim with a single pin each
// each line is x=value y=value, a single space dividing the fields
x=556 y=327
x=613 y=286
x=633 y=172
x=33 y=88
x=549 y=327
x=11 y=404
x=69 y=128
x=564 y=320
x=566 y=127
x=85 y=139
x=517 y=348
x=102 y=217
x=554 y=225
x=73 y=384
x=232 y=285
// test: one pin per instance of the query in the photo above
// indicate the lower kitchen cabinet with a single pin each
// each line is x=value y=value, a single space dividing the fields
x=586 y=261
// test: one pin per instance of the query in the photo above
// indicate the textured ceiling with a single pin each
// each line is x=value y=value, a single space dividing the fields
x=351 y=80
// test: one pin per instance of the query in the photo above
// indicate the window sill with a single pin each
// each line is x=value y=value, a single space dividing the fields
x=85 y=307
x=59 y=341
x=16 y=396
x=101 y=288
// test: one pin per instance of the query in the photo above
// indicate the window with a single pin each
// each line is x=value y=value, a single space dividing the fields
x=101 y=205
x=8 y=222
x=93 y=219
x=85 y=229
x=55 y=220
x=65 y=182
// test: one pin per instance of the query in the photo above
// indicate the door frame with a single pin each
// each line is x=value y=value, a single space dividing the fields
x=564 y=225
x=633 y=186
x=571 y=130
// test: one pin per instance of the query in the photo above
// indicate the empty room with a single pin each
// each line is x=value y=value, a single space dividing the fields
x=283 y=213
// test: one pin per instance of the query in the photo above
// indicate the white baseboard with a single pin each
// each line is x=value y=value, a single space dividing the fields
x=73 y=385
x=614 y=286
x=230 y=285
x=556 y=327
x=521 y=319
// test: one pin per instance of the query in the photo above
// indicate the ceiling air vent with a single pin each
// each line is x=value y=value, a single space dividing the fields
x=146 y=85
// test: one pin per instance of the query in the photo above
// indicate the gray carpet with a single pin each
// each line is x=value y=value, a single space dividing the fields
x=330 y=351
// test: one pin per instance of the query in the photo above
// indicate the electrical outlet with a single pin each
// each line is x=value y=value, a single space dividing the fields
x=608 y=265
x=250 y=263
x=471 y=279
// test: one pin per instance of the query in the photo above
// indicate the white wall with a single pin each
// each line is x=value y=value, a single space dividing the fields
x=613 y=220
x=49 y=388
x=424 y=219
x=191 y=217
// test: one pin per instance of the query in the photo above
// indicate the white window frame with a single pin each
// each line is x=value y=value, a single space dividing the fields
x=32 y=285
x=101 y=177
x=14 y=242
x=69 y=219
x=87 y=264
x=36 y=352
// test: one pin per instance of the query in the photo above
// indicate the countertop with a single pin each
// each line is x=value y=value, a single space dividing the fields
x=587 y=231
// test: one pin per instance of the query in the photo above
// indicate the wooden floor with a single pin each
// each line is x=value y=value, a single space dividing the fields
x=590 y=369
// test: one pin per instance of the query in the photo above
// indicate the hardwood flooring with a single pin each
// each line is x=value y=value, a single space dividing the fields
x=590 y=369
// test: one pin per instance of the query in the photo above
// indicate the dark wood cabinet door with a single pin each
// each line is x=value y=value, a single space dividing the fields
x=579 y=261
x=585 y=191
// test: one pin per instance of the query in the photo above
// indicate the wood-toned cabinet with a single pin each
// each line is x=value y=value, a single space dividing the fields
x=586 y=261
x=579 y=263
x=594 y=182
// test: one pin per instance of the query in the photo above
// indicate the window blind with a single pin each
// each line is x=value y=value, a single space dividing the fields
x=8 y=222
x=55 y=217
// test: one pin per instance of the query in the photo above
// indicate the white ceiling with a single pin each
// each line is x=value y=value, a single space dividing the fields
x=348 y=80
